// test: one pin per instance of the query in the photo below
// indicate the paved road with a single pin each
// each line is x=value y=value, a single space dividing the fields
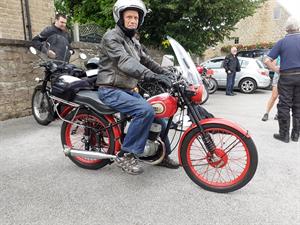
x=38 y=185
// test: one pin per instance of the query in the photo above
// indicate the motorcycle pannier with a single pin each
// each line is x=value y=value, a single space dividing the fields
x=66 y=87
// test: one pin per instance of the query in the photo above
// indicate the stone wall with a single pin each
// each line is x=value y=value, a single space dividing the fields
x=13 y=14
x=17 y=75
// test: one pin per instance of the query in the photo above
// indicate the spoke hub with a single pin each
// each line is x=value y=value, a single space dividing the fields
x=219 y=159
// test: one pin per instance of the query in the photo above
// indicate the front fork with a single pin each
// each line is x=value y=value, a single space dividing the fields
x=196 y=117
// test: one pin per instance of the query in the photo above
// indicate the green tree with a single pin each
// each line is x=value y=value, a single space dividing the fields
x=196 y=24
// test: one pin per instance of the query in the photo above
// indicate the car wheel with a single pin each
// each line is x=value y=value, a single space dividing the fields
x=247 y=85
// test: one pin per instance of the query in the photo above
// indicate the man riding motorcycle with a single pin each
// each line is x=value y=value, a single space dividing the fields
x=122 y=64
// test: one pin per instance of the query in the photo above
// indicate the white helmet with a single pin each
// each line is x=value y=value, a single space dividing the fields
x=122 y=5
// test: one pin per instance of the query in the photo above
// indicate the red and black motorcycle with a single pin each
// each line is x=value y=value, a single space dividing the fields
x=216 y=154
x=207 y=78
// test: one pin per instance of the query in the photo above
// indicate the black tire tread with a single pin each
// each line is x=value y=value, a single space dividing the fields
x=252 y=152
x=102 y=162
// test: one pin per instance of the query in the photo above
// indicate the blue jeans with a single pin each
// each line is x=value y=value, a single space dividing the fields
x=230 y=82
x=142 y=113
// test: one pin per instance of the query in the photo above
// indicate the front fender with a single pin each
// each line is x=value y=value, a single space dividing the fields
x=212 y=121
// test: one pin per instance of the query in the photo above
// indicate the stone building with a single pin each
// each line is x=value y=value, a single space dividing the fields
x=20 y=20
x=266 y=25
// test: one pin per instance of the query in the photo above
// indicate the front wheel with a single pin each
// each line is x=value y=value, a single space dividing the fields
x=41 y=106
x=88 y=132
x=232 y=165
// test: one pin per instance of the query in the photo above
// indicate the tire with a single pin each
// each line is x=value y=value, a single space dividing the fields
x=212 y=85
x=41 y=107
x=205 y=94
x=247 y=85
x=236 y=168
x=86 y=139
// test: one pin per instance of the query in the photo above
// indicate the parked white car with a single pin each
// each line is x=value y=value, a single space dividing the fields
x=253 y=74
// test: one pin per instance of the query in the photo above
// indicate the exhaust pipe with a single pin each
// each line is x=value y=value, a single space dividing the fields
x=86 y=154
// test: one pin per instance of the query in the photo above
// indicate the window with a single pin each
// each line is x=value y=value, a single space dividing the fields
x=214 y=64
x=277 y=13
x=260 y=64
x=243 y=63
x=236 y=40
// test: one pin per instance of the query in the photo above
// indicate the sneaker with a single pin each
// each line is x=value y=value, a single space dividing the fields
x=265 y=117
x=129 y=164
x=169 y=163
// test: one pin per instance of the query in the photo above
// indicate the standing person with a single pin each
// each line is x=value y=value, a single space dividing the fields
x=288 y=49
x=274 y=94
x=231 y=65
x=122 y=64
x=55 y=40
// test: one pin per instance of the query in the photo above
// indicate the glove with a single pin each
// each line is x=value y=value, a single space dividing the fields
x=160 y=78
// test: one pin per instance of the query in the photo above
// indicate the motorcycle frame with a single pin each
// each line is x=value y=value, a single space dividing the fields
x=118 y=124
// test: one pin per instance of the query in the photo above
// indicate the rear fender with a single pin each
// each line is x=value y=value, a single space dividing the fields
x=212 y=121
x=116 y=131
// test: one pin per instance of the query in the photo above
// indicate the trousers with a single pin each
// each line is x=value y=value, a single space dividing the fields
x=230 y=82
x=289 y=96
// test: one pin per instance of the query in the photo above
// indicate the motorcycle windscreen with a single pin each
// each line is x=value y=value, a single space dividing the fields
x=188 y=67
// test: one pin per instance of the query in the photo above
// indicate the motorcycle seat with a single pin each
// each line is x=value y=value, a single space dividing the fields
x=91 y=99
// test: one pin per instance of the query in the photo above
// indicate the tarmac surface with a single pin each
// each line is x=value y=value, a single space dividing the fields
x=39 y=185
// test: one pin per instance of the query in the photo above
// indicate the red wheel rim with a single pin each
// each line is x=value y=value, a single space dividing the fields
x=231 y=162
x=77 y=142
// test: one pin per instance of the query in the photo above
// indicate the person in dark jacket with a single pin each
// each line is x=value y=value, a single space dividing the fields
x=231 y=65
x=122 y=64
x=288 y=49
x=55 y=40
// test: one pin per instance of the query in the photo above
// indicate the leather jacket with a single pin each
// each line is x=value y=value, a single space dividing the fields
x=55 y=39
x=123 y=62
x=231 y=63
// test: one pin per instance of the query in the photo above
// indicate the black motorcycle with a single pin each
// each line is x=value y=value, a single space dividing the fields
x=43 y=102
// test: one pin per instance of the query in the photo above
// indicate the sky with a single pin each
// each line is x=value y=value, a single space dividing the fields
x=292 y=6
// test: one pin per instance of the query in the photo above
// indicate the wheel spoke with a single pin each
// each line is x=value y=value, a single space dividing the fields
x=227 y=166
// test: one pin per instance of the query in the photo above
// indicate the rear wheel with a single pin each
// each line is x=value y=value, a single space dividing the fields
x=205 y=93
x=88 y=134
x=247 y=85
x=232 y=165
x=41 y=107
x=212 y=85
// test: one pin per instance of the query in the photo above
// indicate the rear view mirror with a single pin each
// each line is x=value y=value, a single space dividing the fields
x=33 y=50
x=167 y=61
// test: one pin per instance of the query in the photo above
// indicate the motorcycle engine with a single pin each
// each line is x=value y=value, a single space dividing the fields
x=152 y=144
x=150 y=148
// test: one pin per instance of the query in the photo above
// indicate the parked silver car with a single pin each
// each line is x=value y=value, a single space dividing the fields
x=253 y=74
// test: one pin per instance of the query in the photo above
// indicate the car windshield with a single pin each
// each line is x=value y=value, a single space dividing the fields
x=189 y=70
